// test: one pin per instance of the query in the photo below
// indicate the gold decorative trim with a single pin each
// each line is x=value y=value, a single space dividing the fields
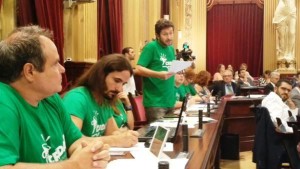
x=188 y=19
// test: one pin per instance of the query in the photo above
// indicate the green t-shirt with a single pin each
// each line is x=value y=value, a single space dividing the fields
x=41 y=134
x=190 y=89
x=180 y=93
x=80 y=103
x=157 y=92
x=120 y=119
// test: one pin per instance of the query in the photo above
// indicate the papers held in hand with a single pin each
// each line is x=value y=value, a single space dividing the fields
x=178 y=65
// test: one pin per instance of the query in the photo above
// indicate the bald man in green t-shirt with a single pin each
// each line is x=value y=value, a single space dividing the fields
x=35 y=129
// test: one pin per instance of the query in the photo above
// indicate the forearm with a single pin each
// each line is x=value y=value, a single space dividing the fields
x=59 y=165
x=142 y=71
x=112 y=140
x=178 y=104
x=130 y=120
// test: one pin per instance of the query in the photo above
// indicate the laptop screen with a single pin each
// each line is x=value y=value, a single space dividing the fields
x=183 y=108
x=159 y=139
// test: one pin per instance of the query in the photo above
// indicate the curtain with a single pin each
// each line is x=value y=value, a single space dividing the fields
x=110 y=36
x=235 y=36
x=165 y=8
x=0 y=4
x=47 y=14
x=26 y=13
x=50 y=15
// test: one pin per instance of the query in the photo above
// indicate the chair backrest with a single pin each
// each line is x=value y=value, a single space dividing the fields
x=138 y=109
x=268 y=149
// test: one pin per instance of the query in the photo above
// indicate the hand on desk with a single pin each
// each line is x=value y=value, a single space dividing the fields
x=91 y=155
x=127 y=138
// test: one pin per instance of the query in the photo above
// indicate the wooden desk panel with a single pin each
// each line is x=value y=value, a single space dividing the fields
x=252 y=90
x=75 y=69
x=239 y=119
x=205 y=149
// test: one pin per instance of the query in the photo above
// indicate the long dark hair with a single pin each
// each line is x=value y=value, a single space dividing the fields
x=94 y=78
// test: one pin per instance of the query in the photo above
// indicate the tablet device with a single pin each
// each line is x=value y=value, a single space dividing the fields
x=158 y=141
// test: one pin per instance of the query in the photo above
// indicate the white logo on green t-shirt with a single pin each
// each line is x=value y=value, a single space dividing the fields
x=59 y=151
x=97 y=128
x=165 y=62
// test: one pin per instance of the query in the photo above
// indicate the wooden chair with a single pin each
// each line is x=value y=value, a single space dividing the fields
x=138 y=111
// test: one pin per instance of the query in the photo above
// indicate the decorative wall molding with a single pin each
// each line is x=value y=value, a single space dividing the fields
x=188 y=19
x=211 y=3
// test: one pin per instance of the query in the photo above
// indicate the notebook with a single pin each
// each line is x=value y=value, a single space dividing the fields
x=148 y=132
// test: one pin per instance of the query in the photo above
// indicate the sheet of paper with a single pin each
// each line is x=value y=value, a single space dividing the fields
x=257 y=95
x=145 y=164
x=178 y=65
x=195 y=120
x=139 y=146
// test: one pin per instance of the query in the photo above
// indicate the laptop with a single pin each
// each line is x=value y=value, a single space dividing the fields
x=159 y=140
x=148 y=132
x=155 y=151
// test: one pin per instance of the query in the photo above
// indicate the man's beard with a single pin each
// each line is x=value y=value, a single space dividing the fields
x=283 y=97
x=106 y=95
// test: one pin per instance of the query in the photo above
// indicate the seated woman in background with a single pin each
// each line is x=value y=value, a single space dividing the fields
x=229 y=67
x=188 y=87
x=218 y=76
x=179 y=89
x=265 y=79
x=188 y=83
x=201 y=85
x=243 y=80
x=243 y=66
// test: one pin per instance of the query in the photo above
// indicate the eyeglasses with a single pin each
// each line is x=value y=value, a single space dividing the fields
x=180 y=73
x=285 y=89
x=227 y=75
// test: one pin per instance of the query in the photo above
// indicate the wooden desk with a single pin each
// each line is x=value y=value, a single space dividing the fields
x=252 y=90
x=239 y=119
x=205 y=149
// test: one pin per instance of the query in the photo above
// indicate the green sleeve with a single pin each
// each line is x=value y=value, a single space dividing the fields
x=146 y=55
x=193 y=90
x=71 y=132
x=9 y=136
x=122 y=118
x=75 y=104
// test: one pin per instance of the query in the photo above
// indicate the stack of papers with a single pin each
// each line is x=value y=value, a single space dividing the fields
x=178 y=65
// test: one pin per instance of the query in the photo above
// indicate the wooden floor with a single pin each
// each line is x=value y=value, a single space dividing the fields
x=245 y=162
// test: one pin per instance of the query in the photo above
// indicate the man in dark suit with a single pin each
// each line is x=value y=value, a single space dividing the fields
x=275 y=76
x=226 y=87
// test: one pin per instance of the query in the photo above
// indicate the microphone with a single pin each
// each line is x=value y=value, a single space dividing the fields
x=163 y=165
x=199 y=133
x=200 y=118
x=208 y=109
x=217 y=97
x=185 y=138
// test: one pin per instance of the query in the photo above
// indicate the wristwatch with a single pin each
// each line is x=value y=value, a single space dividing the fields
x=128 y=108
